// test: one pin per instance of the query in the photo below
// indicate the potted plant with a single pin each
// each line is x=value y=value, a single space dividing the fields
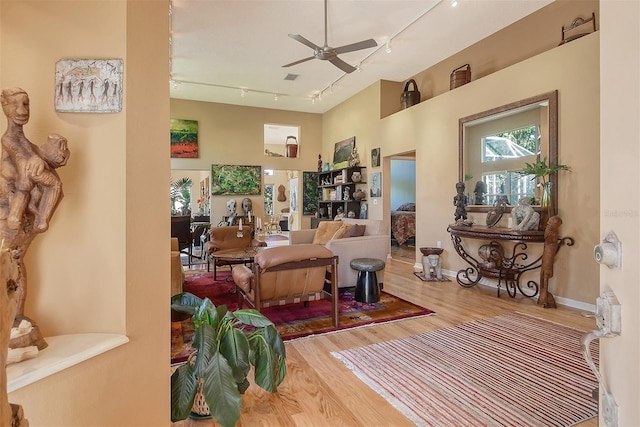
x=541 y=170
x=180 y=191
x=226 y=345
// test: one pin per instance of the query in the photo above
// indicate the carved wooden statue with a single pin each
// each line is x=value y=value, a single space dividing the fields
x=551 y=235
x=460 y=202
x=30 y=191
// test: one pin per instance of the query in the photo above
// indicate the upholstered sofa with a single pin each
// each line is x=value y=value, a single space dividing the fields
x=374 y=243
x=287 y=274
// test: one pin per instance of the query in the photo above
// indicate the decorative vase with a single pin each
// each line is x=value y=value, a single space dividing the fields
x=546 y=204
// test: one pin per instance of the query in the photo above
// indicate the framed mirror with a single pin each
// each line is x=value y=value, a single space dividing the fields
x=495 y=143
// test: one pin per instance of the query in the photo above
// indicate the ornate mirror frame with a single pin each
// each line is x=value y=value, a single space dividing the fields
x=551 y=100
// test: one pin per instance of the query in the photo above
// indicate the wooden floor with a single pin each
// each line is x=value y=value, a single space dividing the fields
x=320 y=391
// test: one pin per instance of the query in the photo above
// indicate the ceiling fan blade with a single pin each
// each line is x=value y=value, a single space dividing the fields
x=365 y=44
x=299 y=62
x=304 y=41
x=342 y=65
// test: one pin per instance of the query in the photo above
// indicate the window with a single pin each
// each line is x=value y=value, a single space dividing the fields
x=501 y=149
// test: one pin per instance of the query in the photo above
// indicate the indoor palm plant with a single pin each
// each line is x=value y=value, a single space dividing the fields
x=541 y=170
x=180 y=191
x=226 y=345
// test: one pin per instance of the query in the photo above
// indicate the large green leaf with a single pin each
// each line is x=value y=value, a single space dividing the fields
x=183 y=390
x=252 y=317
x=221 y=392
x=205 y=313
x=266 y=363
x=185 y=303
x=274 y=339
x=234 y=346
x=205 y=340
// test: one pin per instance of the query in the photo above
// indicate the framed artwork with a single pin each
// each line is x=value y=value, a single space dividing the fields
x=363 y=210
x=293 y=194
x=375 y=157
x=184 y=139
x=88 y=85
x=235 y=179
x=310 y=193
x=375 y=189
x=342 y=151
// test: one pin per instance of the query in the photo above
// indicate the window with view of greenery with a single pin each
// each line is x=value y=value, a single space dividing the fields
x=501 y=148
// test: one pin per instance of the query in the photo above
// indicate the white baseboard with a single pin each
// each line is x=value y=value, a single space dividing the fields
x=567 y=302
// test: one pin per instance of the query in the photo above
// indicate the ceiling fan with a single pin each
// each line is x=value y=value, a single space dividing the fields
x=328 y=53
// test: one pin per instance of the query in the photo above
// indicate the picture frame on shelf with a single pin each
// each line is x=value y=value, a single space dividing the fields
x=342 y=152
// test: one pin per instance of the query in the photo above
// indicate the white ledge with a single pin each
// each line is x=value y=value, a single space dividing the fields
x=62 y=352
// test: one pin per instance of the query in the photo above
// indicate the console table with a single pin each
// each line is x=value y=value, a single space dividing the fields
x=508 y=265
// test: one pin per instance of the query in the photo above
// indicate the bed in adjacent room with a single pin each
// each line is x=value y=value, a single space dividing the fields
x=403 y=222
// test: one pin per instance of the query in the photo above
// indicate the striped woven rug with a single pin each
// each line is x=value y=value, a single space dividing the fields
x=509 y=370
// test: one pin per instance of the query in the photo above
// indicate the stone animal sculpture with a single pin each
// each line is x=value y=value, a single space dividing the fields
x=524 y=217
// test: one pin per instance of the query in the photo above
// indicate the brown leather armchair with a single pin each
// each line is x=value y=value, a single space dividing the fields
x=227 y=238
x=288 y=274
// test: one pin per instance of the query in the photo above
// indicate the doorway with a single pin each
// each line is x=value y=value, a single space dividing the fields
x=402 y=198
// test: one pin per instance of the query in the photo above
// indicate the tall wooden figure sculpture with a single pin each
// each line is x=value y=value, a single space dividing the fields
x=30 y=191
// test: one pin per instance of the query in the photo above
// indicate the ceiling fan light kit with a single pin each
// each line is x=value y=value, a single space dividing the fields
x=328 y=53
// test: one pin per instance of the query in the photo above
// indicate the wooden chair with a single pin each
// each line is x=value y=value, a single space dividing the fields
x=286 y=275
x=227 y=238
x=181 y=229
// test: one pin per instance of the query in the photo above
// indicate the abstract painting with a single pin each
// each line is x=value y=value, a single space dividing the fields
x=184 y=138
x=235 y=179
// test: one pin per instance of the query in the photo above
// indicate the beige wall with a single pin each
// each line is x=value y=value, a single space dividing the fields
x=528 y=37
x=620 y=197
x=231 y=134
x=99 y=268
x=431 y=129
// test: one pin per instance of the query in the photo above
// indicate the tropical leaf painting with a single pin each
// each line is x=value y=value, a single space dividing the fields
x=235 y=179
x=309 y=193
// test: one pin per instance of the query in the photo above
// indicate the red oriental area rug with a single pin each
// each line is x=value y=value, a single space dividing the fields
x=296 y=320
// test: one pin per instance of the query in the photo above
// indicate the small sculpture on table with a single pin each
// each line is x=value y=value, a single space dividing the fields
x=524 y=217
x=460 y=202
x=479 y=192
x=319 y=162
x=346 y=194
x=339 y=214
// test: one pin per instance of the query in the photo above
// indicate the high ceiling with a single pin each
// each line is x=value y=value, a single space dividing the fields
x=232 y=51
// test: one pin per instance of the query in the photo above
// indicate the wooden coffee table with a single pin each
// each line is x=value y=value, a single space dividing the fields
x=235 y=256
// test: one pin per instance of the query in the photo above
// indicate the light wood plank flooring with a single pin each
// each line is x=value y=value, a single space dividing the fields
x=320 y=391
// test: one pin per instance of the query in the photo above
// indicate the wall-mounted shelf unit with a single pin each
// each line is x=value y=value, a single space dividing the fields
x=336 y=190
